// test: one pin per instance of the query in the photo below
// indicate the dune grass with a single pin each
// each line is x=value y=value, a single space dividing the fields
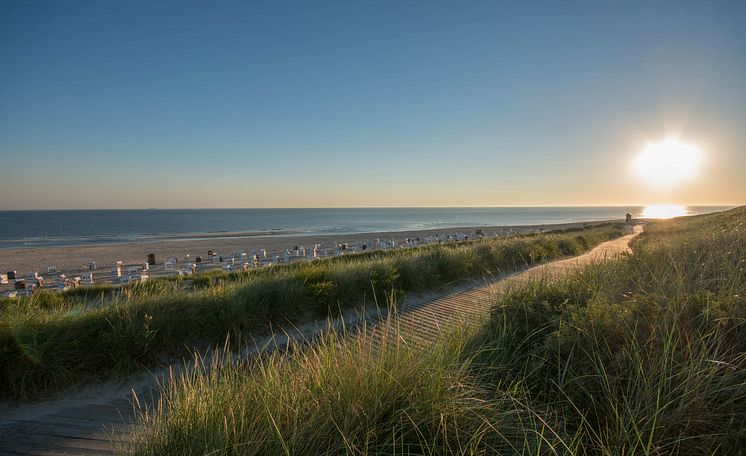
x=646 y=355
x=641 y=355
x=361 y=396
x=51 y=341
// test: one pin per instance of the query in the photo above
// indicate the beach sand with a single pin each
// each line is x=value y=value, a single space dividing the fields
x=76 y=258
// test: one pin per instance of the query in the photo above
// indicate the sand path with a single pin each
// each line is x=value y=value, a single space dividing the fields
x=89 y=422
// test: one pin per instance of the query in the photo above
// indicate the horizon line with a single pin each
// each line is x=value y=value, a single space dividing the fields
x=375 y=207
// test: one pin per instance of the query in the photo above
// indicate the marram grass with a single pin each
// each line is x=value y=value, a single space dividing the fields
x=52 y=341
x=642 y=355
x=342 y=395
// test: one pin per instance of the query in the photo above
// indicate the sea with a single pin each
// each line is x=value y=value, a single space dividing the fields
x=46 y=228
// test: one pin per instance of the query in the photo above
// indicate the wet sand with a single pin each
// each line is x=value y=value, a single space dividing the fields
x=71 y=258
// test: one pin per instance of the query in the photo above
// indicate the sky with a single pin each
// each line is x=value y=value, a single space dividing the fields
x=194 y=104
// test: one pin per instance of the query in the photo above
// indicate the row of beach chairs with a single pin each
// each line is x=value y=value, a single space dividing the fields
x=236 y=261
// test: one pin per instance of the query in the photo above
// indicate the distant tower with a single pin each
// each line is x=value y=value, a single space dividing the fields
x=628 y=224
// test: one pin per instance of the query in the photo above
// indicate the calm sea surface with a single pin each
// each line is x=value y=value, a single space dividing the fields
x=78 y=227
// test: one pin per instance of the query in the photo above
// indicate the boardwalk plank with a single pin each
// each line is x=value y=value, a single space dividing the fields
x=80 y=438
x=49 y=443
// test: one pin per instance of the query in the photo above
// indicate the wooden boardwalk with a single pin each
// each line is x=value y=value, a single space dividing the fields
x=90 y=426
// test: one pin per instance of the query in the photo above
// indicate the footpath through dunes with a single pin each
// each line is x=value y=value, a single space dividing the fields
x=93 y=421
x=422 y=322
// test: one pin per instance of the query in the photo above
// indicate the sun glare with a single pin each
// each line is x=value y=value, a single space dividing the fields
x=664 y=211
x=668 y=162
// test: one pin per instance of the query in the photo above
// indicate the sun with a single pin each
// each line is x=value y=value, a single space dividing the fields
x=668 y=162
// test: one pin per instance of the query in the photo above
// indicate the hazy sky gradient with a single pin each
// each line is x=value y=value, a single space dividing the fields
x=129 y=104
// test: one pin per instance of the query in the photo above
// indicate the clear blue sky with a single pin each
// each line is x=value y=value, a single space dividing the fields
x=406 y=103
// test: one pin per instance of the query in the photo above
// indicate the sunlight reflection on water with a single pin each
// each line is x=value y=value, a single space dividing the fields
x=664 y=211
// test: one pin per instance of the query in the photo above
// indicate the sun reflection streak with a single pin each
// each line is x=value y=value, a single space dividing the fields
x=664 y=211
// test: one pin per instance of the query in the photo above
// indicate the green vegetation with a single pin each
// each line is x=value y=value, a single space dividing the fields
x=356 y=397
x=645 y=354
x=51 y=341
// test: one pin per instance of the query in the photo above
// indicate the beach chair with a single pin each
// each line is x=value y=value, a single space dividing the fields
x=51 y=269
x=116 y=271
x=3 y=278
x=170 y=264
x=60 y=282
x=91 y=265
x=87 y=277
x=33 y=278
x=138 y=277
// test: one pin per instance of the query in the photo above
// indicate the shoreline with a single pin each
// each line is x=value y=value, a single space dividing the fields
x=28 y=259
x=150 y=238
x=146 y=239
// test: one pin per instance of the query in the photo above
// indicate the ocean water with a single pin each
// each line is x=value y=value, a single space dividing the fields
x=80 y=227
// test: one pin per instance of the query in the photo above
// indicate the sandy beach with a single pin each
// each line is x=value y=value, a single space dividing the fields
x=76 y=258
